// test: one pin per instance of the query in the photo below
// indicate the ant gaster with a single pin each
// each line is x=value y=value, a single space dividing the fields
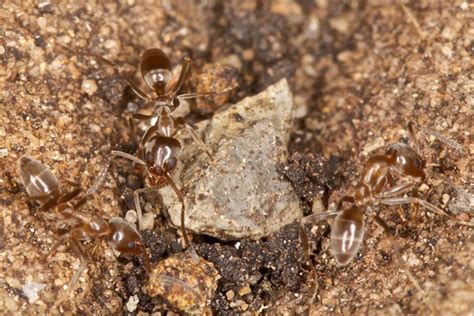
x=376 y=186
x=42 y=185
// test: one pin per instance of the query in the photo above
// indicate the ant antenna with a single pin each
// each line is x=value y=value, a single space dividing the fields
x=453 y=144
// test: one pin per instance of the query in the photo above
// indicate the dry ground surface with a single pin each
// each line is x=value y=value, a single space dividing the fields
x=359 y=71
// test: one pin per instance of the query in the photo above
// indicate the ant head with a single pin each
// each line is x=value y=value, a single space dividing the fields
x=155 y=67
x=124 y=238
x=96 y=227
x=405 y=160
x=161 y=153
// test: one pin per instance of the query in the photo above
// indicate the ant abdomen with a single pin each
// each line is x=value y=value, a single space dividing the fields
x=156 y=69
x=347 y=234
x=38 y=180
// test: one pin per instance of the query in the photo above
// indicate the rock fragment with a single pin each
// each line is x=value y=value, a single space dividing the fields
x=239 y=193
x=185 y=282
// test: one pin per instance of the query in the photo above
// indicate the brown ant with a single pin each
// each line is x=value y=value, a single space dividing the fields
x=42 y=185
x=163 y=86
x=158 y=149
x=158 y=153
x=377 y=186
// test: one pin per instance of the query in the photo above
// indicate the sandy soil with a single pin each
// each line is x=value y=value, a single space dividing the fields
x=359 y=72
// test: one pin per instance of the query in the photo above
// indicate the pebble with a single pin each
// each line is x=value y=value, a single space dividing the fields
x=148 y=220
x=132 y=303
x=131 y=216
x=186 y=282
x=31 y=290
x=89 y=87
x=239 y=194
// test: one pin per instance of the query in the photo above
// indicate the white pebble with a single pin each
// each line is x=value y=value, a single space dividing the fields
x=89 y=87
x=132 y=303
x=148 y=220
x=131 y=216
x=31 y=290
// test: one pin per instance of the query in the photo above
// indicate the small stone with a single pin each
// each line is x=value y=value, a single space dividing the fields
x=413 y=261
x=89 y=87
x=148 y=220
x=131 y=216
x=45 y=7
x=31 y=289
x=3 y=152
x=445 y=199
x=463 y=202
x=241 y=191
x=318 y=205
x=185 y=281
x=245 y=290
x=230 y=295
x=132 y=303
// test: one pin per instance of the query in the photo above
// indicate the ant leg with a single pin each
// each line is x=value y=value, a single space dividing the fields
x=97 y=183
x=182 y=75
x=315 y=218
x=48 y=205
x=348 y=199
x=142 y=117
x=413 y=138
x=73 y=183
x=183 y=227
x=80 y=254
x=397 y=190
x=138 y=208
x=69 y=196
x=122 y=154
x=56 y=246
x=398 y=256
x=427 y=205
x=188 y=96
x=139 y=92
x=192 y=132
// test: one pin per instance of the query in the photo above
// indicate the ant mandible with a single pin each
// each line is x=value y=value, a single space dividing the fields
x=377 y=186
x=42 y=185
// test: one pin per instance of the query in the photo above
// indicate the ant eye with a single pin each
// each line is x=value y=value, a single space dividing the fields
x=418 y=163
x=176 y=102
x=132 y=245
x=170 y=164
x=149 y=157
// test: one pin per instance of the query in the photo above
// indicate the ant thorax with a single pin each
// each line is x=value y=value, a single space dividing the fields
x=159 y=104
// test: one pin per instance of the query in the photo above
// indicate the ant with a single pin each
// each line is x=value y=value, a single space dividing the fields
x=42 y=185
x=377 y=185
x=158 y=149
x=163 y=85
